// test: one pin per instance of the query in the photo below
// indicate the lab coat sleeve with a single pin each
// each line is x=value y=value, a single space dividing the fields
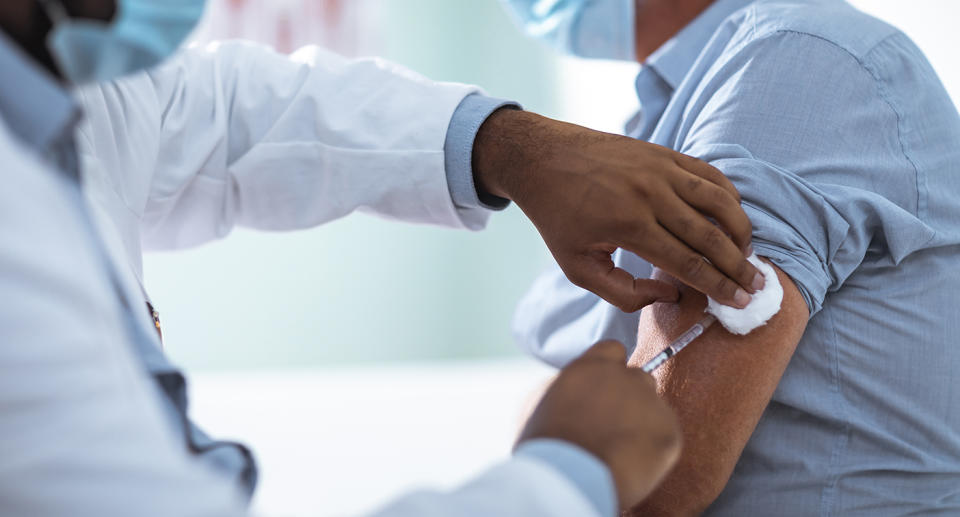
x=236 y=134
x=521 y=487
x=557 y=321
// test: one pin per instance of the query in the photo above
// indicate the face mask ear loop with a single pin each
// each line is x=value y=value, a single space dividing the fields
x=55 y=10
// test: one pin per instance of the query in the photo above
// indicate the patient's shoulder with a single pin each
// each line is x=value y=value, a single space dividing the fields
x=833 y=21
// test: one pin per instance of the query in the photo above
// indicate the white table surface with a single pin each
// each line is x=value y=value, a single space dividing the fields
x=345 y=440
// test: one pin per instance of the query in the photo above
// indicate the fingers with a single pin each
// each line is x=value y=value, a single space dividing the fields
x=607 y=350
x=676 y=258
x=707 y=239
x=597 y=273
x=713 y=201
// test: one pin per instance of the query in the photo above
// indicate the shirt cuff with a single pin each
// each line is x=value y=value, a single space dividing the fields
x=472 y=112
x=581 y=468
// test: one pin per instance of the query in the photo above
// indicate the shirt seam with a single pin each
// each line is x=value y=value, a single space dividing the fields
x=884 y=96
x=829 y=492
x=882 y=87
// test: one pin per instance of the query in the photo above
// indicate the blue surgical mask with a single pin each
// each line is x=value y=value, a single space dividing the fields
x=602 y=29
x=142 y=34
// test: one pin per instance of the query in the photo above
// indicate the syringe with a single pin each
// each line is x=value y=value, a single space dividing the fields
x=678 y=344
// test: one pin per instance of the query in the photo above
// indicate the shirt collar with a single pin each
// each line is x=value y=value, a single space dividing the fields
x=674 y=59
x=33 y=105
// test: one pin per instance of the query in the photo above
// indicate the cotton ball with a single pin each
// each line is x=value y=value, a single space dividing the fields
x=762 y=306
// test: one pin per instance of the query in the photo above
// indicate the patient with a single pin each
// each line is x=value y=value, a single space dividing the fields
x=846 y=151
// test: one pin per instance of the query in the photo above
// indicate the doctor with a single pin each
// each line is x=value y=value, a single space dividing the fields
x=94 y=417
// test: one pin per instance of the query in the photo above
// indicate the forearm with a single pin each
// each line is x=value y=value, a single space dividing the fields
x=719 y=386
x=518 y=152
x=503 y=142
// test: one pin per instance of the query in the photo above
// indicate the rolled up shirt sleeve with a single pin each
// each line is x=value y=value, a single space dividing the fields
x=825 y=180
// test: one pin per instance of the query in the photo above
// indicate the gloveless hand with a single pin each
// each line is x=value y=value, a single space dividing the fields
x=613 y=412
x=589 y=193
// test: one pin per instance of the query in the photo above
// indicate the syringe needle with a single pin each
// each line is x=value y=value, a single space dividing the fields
x=680 y=343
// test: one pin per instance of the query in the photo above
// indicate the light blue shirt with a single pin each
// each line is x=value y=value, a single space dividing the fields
x=472 y=112
x=846 y=150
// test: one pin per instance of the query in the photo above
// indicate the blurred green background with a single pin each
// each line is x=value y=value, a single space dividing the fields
x=363 y=289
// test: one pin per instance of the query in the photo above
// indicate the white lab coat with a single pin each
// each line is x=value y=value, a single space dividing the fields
x=224 y=136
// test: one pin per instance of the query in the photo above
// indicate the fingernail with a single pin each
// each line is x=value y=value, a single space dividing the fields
x=758 y=282
x=741 y=298
x=749 y=251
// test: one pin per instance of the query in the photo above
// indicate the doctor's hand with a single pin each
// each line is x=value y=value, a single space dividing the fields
x=589 y=193
x=614 y=413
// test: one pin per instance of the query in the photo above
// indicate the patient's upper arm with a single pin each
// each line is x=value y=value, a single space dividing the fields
x=719 y=386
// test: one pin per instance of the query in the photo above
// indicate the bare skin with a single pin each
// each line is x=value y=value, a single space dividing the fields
x=659 y=20
x=613 y=192
x=721 y=383
x=589 y=193
x=719 y=386
x=26 y=23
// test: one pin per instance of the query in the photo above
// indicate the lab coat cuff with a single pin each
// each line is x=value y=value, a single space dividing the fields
x=584 y=470
x=472 y=112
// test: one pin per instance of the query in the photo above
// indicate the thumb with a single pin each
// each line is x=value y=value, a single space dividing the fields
x=608 y=350
x=598 y=274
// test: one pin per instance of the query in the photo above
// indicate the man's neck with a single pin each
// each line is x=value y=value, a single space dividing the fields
x=24 y=22
x=659 y=20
